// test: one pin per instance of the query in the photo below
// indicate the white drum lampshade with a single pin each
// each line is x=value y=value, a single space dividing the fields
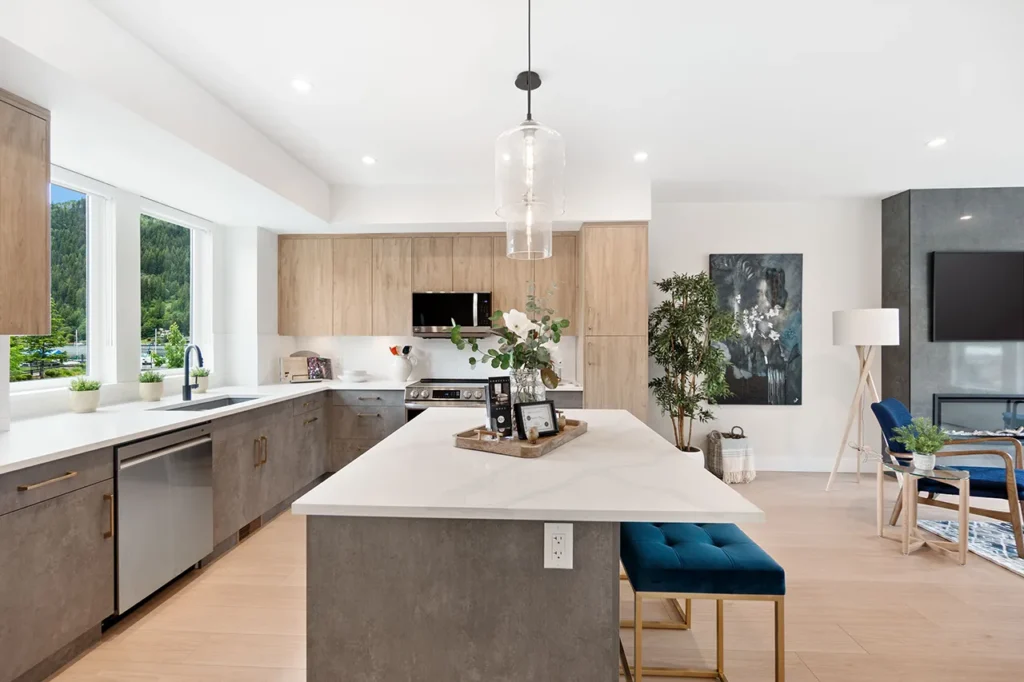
x=866 y=327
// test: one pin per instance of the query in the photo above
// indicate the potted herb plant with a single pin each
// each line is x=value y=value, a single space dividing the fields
x=527 y=347
x=683 y=336
x=84 y=394
x=151 y=386
x=923 y=439
x=202 y=377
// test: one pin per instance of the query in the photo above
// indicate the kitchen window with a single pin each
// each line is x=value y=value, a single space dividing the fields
x=166 y=265
x=63 y=353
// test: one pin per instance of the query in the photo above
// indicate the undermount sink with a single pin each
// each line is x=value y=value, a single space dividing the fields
x=211 y=403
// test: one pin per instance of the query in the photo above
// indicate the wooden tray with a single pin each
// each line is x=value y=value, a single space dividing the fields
x=513 y=447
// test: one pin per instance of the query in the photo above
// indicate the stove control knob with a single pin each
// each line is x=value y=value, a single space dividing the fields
x=478 y=394
x=414 y=394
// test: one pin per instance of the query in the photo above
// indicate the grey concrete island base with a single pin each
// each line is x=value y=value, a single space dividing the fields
x=432 y=600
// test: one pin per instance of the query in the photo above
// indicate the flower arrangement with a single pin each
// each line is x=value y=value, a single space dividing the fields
x=83 y=384
x=151 y=377
x=527 y=343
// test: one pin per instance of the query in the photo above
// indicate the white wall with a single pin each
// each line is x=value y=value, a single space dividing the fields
x=841 y=244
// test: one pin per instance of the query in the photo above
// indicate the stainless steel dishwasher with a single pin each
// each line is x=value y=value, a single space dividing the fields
x=164 y=510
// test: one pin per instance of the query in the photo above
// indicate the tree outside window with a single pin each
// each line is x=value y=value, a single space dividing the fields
x=166 y=270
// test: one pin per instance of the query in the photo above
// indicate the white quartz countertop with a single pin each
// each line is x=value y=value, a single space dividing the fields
x=620 y=470
x=46 y=439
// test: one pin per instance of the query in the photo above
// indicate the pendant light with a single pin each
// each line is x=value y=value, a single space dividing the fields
x=529 y=163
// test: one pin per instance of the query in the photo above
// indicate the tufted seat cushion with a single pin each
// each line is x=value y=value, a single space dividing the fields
x=708 y=558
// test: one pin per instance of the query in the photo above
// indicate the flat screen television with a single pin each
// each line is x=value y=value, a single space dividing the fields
x=978 y=296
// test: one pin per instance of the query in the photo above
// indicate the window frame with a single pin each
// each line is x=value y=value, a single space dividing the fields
x=97 y=212
x=200 y=234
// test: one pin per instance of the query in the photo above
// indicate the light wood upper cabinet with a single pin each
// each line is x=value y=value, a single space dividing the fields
x=559 y=271
x=24 y=217
x=353 y=287
x=305 y=273
x=614 y=279
x=511 y=279
x=472 y=264
x=615 y=373
x=432 y=264
x=392 y=286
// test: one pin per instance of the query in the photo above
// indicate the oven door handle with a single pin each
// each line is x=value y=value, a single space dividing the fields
x=444 y=403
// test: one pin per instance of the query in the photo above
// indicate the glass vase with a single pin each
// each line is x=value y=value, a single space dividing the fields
x=527 y=386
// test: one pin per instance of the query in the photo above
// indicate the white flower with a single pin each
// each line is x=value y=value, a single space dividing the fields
x=553 y=351
x=773 y=335
x=519 y=324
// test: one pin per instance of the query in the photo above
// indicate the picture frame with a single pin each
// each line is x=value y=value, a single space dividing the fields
x=540 y=414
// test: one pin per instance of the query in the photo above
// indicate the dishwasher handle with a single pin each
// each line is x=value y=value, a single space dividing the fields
x=142 y=459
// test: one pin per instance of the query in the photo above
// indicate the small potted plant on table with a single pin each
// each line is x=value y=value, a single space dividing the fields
x=85 y=395
x=151 y=386
x=923 y=439
x=202 y=377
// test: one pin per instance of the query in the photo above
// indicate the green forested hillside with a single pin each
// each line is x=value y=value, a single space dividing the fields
x=166 y=276
x=68 y=257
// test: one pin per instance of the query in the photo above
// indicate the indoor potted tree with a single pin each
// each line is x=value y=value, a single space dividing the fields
x=923 y=439
x=85 y=394
x=151 y=386
x=202 y=377
x=683 y=336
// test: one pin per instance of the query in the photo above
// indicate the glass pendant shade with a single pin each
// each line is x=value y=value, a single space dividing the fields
x=529 y=162
x=528 y=239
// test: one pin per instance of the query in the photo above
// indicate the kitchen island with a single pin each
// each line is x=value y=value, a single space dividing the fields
x=426 y=562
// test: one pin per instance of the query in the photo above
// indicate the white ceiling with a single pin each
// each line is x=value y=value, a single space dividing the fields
x=733 y=99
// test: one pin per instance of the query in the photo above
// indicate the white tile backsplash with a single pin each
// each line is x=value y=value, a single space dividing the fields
x=432 y=357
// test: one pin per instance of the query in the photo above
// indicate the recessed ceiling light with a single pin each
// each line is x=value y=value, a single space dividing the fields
x=301 y=86
x=966 y=217
x=937 y=142
x=369 y=160
x=640 y=157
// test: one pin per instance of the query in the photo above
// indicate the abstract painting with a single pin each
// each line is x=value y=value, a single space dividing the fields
x=765 y=293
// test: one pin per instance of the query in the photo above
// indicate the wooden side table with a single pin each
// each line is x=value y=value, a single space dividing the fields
x=910 y=537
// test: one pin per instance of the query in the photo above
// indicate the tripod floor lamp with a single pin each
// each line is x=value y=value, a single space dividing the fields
x=866 y=329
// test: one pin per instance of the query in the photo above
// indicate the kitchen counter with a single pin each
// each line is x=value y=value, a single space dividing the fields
x=46 y=439
x=445 y=550
x=620 y=470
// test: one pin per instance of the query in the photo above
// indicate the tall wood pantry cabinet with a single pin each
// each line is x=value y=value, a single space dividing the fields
x=612 y=265
x=24 y=216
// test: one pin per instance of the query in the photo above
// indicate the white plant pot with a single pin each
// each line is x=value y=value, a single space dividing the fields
x=924 y=462
x=204 y=383
x=151 y=392
x=84 y=401
x=697 y=455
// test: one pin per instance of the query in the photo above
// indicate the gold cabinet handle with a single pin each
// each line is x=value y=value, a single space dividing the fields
x=309 y=421
x=368 y=397
x=362 y=416
x=307 y=403
x=109 y=497
x=256 y=454
x=263 y=439
x=57 y=479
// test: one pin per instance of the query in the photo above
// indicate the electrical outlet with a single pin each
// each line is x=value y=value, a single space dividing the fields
x=558 y=545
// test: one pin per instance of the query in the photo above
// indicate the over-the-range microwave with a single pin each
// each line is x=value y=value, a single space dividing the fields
x=433 y=312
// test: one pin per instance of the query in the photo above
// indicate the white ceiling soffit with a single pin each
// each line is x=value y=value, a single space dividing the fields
x=125 y=116
x=735 y=99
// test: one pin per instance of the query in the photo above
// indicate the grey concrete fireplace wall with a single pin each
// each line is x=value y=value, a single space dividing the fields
x=915 y=224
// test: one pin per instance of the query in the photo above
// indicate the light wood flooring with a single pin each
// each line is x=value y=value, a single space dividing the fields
x=856 y=608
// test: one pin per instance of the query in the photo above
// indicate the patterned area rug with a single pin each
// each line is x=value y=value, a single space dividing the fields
x=992 y=541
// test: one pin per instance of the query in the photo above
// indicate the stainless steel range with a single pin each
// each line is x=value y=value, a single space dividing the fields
x=443 y=393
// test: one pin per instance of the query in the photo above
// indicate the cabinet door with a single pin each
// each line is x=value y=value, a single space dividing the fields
x=305 y=292
x=24 y=221
x=432 y=264
x=392 y=286
x=236 y=476
x=353 y=287
x=472 y=264
x=559 y=272
x=310 y=431
x=57 y=564
x=366 y=423
x=281 y=470
x=615 y=279
x=615 y=375
x=511 y=279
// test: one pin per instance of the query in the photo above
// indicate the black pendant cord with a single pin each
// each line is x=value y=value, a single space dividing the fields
x=529 y=62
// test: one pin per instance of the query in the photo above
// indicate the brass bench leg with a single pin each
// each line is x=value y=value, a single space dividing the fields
x=780 y=640
x=682 y=621
x=720 y=635
x=638 y=636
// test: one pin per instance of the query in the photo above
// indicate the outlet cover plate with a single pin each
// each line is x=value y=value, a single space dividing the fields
x=558 y=545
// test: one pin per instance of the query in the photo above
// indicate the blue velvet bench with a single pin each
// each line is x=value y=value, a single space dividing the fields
x=698 y=561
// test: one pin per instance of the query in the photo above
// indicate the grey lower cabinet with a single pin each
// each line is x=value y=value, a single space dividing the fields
x=566 y=400
x=237 y=471
x=56 y=574
x=361 y=419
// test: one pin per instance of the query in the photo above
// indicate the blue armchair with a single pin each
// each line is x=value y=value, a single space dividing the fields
x=1004 y=483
